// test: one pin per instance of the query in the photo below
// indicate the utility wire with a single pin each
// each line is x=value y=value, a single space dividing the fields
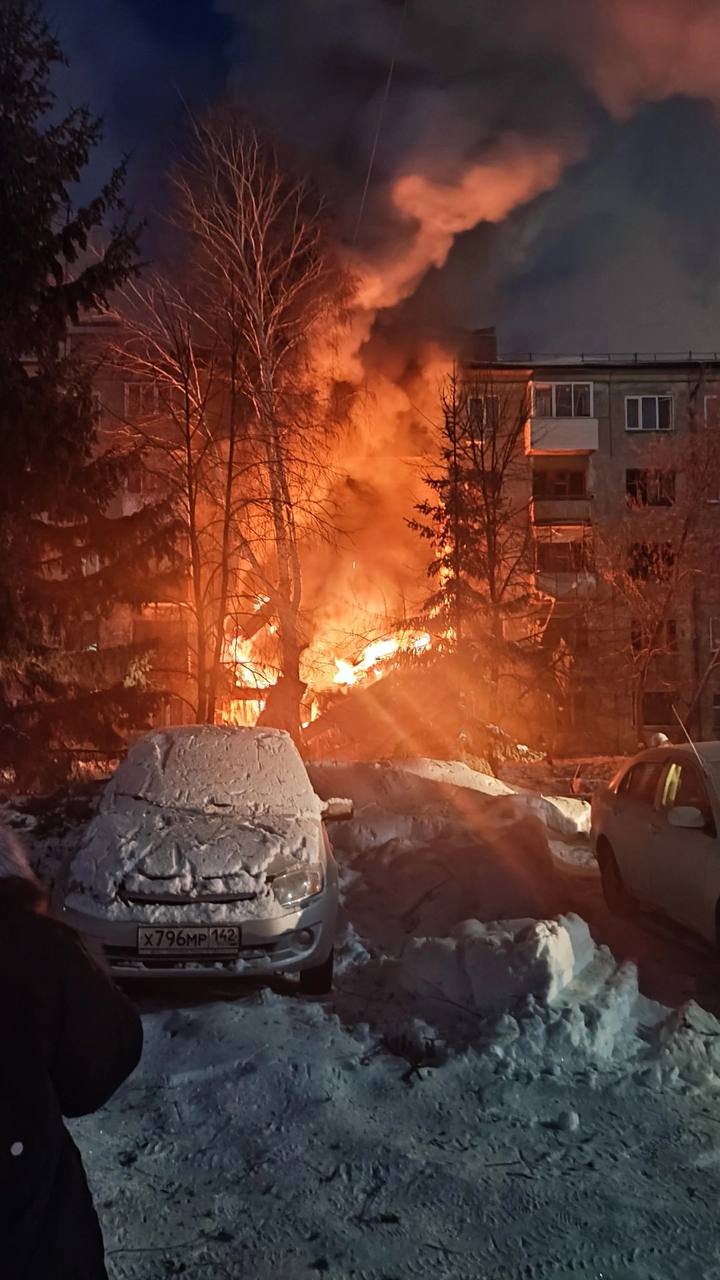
x=381 y=116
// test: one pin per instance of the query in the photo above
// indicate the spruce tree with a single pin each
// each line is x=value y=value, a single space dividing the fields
x=451 y=521
x=63 y=558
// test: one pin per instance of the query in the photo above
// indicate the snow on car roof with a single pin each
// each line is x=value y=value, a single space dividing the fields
x=213 y=768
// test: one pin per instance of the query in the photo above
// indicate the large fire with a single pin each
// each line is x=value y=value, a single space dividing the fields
x=376 y=654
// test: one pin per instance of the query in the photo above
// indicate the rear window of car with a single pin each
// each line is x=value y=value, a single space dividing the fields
x=683 y=786
x=640 y=783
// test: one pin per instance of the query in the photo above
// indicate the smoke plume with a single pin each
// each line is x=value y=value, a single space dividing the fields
x=525 y=162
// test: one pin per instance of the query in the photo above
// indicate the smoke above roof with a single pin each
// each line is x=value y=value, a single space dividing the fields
x=497 y=115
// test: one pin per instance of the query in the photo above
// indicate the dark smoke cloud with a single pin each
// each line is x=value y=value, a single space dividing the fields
x=535 y=101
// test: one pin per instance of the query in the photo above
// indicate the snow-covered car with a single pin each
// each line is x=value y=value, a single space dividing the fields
x=655 y=835
x=208 y=854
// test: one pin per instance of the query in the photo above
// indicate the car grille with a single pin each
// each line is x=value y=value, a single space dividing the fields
x=181 y=900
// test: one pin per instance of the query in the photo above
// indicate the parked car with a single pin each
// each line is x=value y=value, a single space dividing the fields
x=209 y=854
x=655 y=834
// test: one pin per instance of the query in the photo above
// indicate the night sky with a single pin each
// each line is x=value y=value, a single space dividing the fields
x=622 y=253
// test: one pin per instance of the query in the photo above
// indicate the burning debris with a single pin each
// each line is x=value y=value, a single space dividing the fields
x=394 y=717
x=372 y=661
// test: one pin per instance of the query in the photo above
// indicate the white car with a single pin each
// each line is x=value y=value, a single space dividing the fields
x=209 y=854
x=655 y=834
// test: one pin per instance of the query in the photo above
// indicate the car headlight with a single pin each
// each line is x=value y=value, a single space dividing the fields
x=296 y=886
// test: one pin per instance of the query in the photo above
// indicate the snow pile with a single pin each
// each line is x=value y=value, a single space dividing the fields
x=686 y=1045
x=488 y=967
x=260 y=1138
x=421 y=800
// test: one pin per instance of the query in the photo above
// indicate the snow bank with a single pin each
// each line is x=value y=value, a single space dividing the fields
x=488 y=967
x=421 y=800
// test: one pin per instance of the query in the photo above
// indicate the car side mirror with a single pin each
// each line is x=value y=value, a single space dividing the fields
x=686 y=815
x=338 y=810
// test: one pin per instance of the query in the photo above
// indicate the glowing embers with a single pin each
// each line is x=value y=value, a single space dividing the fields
x=371 y=662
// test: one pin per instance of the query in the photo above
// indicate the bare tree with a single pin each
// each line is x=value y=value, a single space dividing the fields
x=186 y=432
x=268 y=271
x=650 y=562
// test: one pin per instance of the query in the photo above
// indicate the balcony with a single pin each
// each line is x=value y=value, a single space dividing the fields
x=561 y=435
x=578 y=584
x=561 y=510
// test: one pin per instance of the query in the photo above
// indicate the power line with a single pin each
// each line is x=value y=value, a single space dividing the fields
x=381 y=115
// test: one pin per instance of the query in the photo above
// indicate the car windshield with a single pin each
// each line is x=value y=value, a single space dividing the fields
x=211 y=768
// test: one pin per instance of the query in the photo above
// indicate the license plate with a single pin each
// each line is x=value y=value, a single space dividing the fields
x=188 y=940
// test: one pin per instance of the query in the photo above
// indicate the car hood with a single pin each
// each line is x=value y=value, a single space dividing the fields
x=144 y=862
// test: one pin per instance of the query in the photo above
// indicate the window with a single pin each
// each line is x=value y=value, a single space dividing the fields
x=141 y=399
x=562 y=400
x=662 y=639
x=641 y=782
x=651 y=488
x=91 y=564
x=657 y=707
x=483 y=410
x=563 y=557
x=571 y=631
x=651 y=561
x=559 y=483
x=648 y=413
x=97 y=405
x=712 y=411
x=684 y=786
x=164 y=632
x=141 y=479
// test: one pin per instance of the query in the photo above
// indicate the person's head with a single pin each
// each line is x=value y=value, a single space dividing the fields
x=659 y=740
x=18 y=882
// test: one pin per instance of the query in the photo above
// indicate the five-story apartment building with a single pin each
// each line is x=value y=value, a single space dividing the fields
x=622 y=496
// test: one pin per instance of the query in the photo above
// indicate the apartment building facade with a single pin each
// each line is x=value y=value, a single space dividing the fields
x=618 y=487
x=163 y=629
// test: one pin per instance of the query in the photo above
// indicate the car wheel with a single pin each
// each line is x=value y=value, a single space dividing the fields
x=616 y=896
x=318 y=980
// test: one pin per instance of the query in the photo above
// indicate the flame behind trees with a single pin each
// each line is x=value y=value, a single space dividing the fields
x=252 y=420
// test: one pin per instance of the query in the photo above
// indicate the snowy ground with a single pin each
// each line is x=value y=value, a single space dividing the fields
x=478 y=1098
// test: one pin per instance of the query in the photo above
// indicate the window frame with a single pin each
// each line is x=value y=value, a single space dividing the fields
x=141 y=384
x=483 y=419
x=553 y=393
x=651 y=561
x=689 y=767
x=583 y=556
x=559 y=471
x=622 y=786
x=657 y=397
x=654 y=693
x=653 y=480
x=640 y=638
x=712 y=424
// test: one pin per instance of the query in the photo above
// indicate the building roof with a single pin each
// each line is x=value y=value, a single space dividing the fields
x=530 y=360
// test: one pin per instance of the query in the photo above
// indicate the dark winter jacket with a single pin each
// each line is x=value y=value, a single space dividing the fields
x=68 y=1038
